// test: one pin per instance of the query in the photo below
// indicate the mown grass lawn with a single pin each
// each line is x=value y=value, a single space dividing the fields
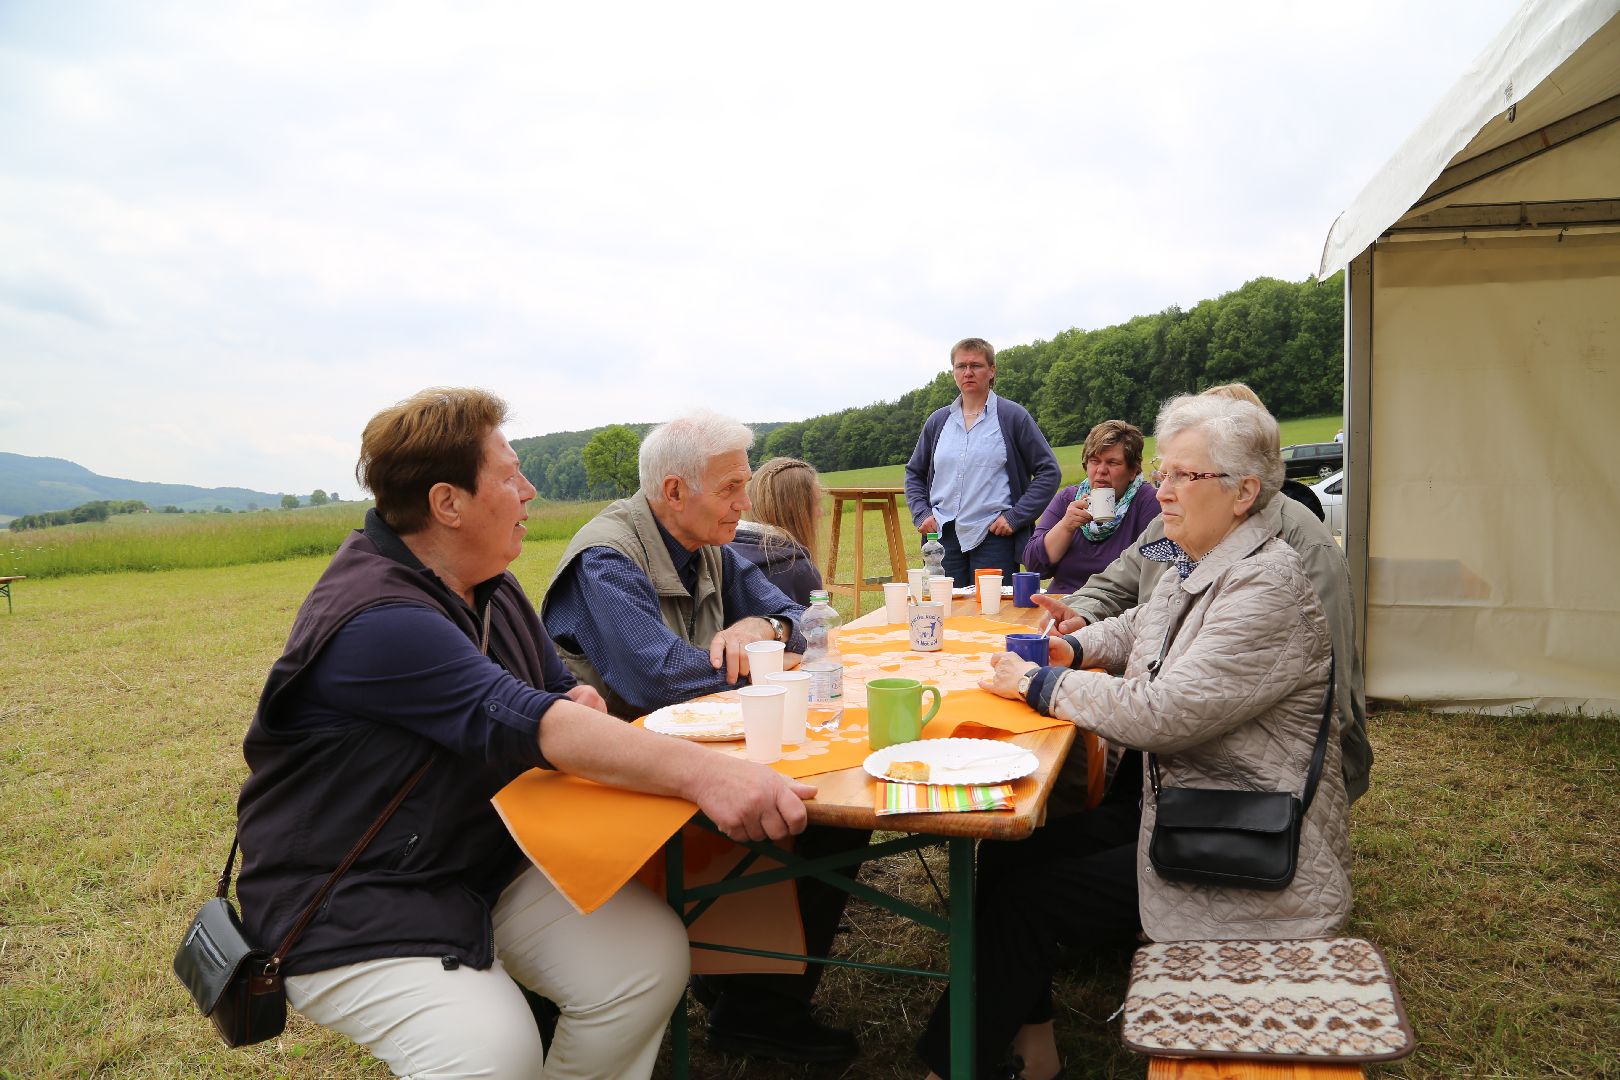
x=1486 y=859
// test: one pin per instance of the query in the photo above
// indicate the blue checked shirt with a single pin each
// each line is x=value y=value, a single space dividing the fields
x=605 y=607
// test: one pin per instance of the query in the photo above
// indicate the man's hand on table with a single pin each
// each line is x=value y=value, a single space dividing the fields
x=1005 y=670
x=748 y=801
x=726 y=650
x=588 y=697
x=1066 y=620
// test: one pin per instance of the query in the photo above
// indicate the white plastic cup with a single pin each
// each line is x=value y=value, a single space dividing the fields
x=939 y=592
x=895 y=597
x=1101 y=505
x=795 y=706
x=764 y=658
x=917 y=580
x=762 y=722
x=990 y=594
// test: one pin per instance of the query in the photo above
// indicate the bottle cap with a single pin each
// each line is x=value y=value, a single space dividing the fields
x=933 y=536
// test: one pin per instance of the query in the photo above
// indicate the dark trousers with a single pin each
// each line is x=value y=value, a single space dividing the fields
x=997 y=551
x=1073 y=880
x=821 y=906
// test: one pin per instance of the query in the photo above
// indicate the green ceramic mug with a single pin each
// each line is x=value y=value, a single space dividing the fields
x=893 y=710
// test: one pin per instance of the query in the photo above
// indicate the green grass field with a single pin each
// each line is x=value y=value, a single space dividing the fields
x=1486 y=862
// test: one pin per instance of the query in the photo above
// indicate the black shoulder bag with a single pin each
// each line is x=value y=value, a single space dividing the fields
x=236 y=985
x=1236 y=839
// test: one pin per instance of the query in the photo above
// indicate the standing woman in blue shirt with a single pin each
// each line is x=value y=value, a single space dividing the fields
x=982 y=471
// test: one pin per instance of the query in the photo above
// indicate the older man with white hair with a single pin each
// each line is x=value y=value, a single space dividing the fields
x=650 y=607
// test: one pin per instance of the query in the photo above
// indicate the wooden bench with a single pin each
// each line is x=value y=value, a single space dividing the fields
x=884 y=500
x=1206 y=1069
x=5 y=587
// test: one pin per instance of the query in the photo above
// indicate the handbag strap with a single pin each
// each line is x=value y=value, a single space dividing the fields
x=1318 y=752
x=223 y=889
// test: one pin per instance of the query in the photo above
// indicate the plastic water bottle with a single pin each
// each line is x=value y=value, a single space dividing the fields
x=822 y=663
x=933 y=553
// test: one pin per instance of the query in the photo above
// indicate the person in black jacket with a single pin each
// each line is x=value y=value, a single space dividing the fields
x=417 y=645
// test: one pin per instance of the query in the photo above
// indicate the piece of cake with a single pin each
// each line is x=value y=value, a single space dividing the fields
x=908 y=770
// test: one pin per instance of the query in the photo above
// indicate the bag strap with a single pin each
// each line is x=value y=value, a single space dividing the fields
x=286 y=945
x=1318 y=752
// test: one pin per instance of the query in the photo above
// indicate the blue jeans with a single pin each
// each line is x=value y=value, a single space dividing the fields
x=993 y=551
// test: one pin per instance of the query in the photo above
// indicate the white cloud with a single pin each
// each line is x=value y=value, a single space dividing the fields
x=233 y=234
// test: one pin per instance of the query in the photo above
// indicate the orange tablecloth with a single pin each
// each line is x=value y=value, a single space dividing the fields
x=589 y=839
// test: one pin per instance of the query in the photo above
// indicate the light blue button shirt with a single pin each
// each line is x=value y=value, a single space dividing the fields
x=970 y=474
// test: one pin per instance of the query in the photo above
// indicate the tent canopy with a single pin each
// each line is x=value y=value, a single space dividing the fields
x=1482 y=380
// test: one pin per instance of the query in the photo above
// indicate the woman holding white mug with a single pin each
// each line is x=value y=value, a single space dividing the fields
x=1087 y=525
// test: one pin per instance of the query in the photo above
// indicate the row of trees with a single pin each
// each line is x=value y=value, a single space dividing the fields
x=100 y=510
x=1285 y=339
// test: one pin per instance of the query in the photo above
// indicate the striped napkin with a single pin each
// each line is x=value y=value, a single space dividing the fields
x=941 y=798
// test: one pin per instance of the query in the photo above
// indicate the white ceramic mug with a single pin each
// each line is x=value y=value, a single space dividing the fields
x=927 y=627
x=990 y=594
x=795 y=706
x=896 y=597
x=1101 y=505
x=764 y=658
x=762 y=708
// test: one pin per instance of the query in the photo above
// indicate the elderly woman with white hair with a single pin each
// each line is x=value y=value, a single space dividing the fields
x=1222 y=675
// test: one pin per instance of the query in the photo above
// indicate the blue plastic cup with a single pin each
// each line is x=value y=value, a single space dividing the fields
x=1031 y=647
x=1025 y=583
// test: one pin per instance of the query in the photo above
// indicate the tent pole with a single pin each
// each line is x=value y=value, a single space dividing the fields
x=1358 y=359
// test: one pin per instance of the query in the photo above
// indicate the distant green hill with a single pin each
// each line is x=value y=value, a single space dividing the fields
x=32 y=485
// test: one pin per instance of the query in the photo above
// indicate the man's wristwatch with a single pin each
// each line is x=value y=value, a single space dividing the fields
x=782 y=627
x=1024 y=680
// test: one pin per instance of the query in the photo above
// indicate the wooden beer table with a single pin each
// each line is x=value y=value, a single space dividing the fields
x=552 y=817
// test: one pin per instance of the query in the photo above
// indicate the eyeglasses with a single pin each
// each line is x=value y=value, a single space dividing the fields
x=972 y=367
x=1177 y=477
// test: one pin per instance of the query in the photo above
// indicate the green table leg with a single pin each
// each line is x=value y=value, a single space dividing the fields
x=964 y=972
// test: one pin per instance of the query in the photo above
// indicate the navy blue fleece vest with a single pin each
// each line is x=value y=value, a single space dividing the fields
x=425 y=885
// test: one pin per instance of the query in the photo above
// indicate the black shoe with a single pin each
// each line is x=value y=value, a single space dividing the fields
x=783 y=1031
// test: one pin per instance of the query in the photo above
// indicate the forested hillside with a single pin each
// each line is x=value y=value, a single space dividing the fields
x=1285 y=339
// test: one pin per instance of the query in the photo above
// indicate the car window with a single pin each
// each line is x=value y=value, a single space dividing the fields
x=1335 y=488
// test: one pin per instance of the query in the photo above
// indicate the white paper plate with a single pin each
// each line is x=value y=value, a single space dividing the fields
x=956 y=761
x=700 y=721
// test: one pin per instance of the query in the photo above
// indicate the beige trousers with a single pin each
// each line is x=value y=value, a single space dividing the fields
x=615 y=974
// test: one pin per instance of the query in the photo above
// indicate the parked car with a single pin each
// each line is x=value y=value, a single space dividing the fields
x=1313 y=458
x=1330 y=493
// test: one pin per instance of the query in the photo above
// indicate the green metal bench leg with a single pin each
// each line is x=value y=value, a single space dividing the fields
x=964 y=970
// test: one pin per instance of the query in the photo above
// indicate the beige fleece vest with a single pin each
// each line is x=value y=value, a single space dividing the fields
x=628 y=527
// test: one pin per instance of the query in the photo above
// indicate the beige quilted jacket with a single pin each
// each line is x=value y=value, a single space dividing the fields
x=1236 y=704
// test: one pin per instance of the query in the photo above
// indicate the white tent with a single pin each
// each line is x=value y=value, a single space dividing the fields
x=1482 y=380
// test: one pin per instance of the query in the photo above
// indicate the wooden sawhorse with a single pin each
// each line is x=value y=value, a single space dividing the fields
x=884 y=499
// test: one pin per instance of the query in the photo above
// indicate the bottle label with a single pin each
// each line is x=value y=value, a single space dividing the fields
x=826 y=683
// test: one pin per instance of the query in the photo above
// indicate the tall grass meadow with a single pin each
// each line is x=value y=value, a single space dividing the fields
x=147 y=542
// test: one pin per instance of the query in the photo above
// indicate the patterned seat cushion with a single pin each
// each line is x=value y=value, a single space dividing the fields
x=1328 y=998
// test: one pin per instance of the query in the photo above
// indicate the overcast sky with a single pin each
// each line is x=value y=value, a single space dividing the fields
x=229 y=233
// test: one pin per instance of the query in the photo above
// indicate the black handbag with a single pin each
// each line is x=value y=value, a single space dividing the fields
x=237 y=985
x=1234 y=839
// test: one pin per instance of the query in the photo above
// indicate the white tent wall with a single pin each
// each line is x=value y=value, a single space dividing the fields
x=1493 y=472
x=1482 y=380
